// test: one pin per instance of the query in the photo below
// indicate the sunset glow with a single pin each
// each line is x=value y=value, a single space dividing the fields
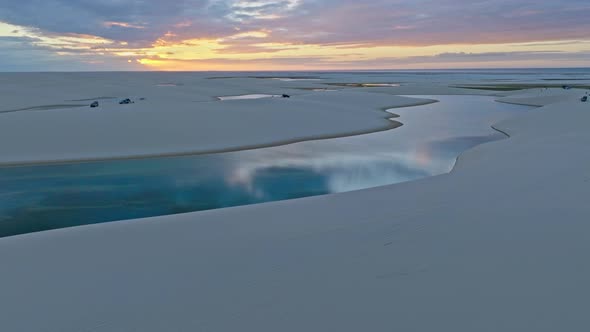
x=294 y=35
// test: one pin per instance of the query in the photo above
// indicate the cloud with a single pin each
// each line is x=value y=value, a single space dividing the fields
x=90 y=17
x=19 y=39
x=18 y=56
x=432 y=22
x=445 y=60
x=257 y=10
x=133 y=26
x=417 y=22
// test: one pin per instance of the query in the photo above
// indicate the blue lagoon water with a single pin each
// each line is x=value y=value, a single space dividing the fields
x=35 y=198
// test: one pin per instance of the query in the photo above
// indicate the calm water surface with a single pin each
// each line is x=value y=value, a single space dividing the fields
x=36 y=198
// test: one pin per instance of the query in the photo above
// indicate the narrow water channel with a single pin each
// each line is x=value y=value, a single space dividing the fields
x=36 y=198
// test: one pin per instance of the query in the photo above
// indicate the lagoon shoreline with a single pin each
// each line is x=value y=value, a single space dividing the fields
x=390 y=116
x=170 y=122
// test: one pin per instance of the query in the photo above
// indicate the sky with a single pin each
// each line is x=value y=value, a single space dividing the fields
x=215 y=35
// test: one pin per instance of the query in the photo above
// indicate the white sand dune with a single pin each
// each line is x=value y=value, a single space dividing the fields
x=143 y=129
x=499 y=244
x=174 y=120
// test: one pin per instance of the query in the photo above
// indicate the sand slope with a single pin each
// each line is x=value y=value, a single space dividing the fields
x=44 y=117
x=499 y=244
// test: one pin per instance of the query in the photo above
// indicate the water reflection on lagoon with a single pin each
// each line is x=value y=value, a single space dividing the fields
x=55 y=196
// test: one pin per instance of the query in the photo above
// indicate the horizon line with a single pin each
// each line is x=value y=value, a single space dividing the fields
x=296 y=70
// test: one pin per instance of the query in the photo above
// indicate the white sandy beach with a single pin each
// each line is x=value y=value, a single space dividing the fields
x=498 y=244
